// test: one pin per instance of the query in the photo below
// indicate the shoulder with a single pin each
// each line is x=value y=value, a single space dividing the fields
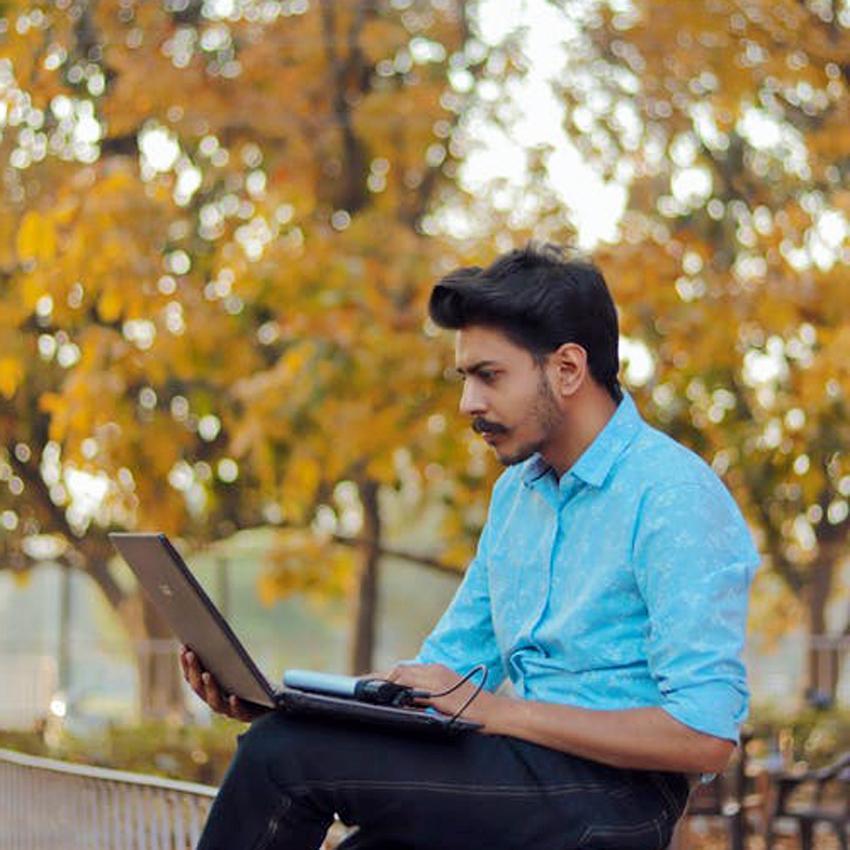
x=681 y=495
x=656 y=462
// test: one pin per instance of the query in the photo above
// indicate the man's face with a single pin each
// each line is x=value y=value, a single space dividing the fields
x=506 y=393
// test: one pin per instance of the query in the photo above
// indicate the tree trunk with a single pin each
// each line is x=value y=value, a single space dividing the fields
x=63 y=661
x=160 y=690
x=366 y=593
x=823 y=665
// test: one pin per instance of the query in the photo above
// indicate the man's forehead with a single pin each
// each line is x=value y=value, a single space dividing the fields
x=476 y=344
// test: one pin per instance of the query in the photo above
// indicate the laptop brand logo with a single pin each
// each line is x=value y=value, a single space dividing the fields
x=166 y=590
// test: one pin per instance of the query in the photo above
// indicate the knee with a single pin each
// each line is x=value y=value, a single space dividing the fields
x=273 y=747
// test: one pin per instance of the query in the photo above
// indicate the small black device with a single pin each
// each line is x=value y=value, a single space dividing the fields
x=382 y=692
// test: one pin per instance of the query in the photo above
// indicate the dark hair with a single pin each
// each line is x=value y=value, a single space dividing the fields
x=539 y=299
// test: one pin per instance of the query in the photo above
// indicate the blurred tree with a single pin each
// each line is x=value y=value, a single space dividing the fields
x=730 y=120
x=215 y=256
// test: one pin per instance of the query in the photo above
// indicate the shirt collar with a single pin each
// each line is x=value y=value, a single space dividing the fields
x=596 y=461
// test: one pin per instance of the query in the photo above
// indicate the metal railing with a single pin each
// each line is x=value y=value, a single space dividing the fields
x=53 y=805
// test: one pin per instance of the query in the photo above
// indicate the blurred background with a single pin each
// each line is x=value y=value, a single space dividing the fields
x=220 y=223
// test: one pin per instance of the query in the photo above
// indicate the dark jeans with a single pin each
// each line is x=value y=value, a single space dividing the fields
x=290 y=775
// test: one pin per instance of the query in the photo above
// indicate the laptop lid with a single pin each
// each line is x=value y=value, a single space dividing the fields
x=192 y=616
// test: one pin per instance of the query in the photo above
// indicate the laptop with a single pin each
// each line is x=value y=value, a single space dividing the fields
x=197 y=623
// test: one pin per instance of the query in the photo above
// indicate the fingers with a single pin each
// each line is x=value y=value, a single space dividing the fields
x=374 y=674
x=221 y=703
x=192 y=671
x=217 y=700
x=414 y=675
x=206 y=687
x=239 y=711
x=190 y=667
x=403 y=674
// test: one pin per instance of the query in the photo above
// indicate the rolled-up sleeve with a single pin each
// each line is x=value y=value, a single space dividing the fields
x=464 y=635
x=694 y=563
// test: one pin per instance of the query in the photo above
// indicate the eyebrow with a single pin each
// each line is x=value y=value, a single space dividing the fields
x=476 y=367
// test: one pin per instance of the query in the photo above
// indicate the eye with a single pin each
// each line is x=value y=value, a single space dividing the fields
x=487 y=375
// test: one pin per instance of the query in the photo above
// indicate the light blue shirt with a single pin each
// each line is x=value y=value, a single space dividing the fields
x=623 y=584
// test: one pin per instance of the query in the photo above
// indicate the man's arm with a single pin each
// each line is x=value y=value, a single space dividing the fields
x=694 y=561
x=639 y=738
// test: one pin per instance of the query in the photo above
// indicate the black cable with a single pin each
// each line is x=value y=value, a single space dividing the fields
x=456 y=685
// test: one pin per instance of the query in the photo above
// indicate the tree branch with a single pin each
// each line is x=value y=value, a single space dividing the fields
x=353 y=195
x=32 y=477
x=404 y=554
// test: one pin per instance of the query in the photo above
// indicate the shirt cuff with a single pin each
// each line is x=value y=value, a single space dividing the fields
x=712 y=708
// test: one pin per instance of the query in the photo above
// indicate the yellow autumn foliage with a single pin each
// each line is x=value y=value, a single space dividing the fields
x=214 y=267
x=740 y=290
x=11 y=375
x=36 y=238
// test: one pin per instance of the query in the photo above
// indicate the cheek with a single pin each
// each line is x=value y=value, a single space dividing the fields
x=521 y=409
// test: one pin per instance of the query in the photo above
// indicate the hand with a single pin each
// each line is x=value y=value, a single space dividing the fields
x=206 y=687
x=435 y=678
x=374 y=674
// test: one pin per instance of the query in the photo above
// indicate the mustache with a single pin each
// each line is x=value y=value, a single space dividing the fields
x=482 y=426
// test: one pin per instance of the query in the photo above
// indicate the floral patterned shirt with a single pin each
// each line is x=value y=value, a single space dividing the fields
x=623 y=584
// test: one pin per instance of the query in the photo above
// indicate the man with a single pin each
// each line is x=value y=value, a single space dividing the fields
x=610 y=587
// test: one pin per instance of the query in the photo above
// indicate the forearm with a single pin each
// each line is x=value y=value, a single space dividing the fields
x=640 y=738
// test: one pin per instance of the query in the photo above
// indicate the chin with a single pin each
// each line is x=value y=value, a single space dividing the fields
x=523 y=454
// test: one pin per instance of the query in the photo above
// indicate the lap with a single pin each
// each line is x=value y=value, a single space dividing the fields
x=470 y=790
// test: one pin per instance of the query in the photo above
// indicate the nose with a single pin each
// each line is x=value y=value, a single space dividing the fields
x=472 y=401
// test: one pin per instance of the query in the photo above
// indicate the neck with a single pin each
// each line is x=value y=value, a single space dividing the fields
x=586 y=417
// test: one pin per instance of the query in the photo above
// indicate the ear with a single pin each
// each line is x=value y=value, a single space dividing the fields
x=568 y=369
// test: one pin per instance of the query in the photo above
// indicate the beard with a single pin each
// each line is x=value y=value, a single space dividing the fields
x=545 y=415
